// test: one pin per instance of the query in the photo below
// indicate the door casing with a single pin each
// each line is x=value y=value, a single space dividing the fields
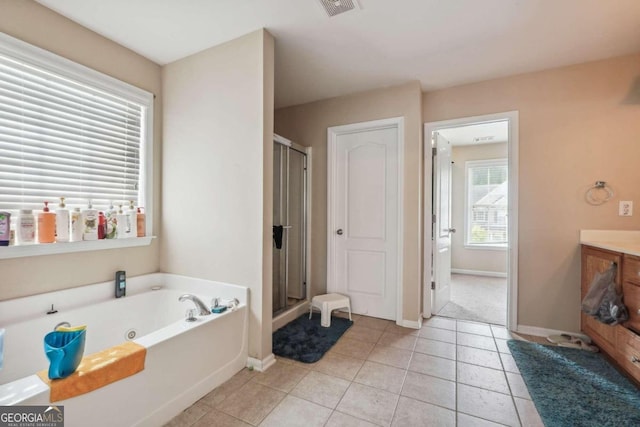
x=512 y=252
x=332 y=138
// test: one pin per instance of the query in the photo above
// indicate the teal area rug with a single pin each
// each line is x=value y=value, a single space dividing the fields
x=572 y=387
x=305 y=340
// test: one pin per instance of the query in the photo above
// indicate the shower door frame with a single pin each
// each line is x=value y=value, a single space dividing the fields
x=277 y=139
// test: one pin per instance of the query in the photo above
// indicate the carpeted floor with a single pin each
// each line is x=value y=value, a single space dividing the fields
x=572 y=387
x=305 y=340
x=477 y=298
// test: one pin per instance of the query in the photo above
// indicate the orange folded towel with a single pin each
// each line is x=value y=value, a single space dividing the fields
x=97 y=370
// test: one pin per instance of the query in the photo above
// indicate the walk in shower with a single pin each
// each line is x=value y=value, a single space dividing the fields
x=289 y=224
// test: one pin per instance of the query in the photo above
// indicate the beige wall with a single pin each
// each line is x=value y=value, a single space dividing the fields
x=461 y=257
x=575 y=128
x=28 y=21
x=217 y=125
x=307 y=125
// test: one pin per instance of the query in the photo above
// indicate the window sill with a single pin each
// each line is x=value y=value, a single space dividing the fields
x=487 y=247
x=7 y=252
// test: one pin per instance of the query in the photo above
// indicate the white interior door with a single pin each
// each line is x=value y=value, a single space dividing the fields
x=442 y=225
x=363 y=224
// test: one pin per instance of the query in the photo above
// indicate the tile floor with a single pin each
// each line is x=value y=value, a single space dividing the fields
x=449 y=373
x=477 y=299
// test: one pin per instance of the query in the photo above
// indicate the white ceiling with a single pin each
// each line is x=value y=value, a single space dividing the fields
x=441 y=43
x=480 y=133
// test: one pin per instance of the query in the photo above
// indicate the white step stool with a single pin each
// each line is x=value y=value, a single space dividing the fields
x=326 y=304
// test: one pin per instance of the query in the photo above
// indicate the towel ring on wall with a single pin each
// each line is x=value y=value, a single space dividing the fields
x=598 y=194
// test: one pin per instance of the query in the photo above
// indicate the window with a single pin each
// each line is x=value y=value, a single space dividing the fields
x=487 y=203
x=69 y=131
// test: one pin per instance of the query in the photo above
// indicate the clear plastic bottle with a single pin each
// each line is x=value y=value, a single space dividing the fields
x=12 y=231
x=132 y=220
x=26 y=227
x=90 y=223
x=76 y=225
x=112 y=222
x=123 y=228
x=62 y=222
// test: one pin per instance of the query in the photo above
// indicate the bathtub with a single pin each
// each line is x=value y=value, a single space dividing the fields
x=184 y=361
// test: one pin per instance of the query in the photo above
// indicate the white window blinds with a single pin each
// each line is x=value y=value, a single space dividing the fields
x=63 y=137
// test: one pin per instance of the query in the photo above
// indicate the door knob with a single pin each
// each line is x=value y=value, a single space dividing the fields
x=339 y=232
x=451 y=230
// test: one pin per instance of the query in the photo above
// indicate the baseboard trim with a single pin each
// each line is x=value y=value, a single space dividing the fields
x=413 y=324
x=261 y=365
x=544 y=332
x=479 y=272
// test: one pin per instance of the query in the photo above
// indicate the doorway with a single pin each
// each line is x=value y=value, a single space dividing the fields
x=474 y=219
x=290 y=219
x=364 y=229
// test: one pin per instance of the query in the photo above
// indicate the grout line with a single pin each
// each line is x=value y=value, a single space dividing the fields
x=513 y=400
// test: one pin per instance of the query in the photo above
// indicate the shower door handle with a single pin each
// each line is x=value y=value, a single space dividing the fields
x=287 y=226
x=339 y=232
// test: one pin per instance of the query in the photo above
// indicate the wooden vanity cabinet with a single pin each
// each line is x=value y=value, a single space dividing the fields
x=631 y=290
x=620 y=342
x=597 y=261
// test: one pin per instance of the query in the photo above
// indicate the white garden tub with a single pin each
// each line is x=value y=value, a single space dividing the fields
x=184 y=360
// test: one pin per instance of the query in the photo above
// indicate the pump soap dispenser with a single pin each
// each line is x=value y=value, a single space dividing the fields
x=62 y=222
x=46 y=225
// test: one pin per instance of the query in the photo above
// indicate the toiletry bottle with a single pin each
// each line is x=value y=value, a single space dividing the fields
x=112 y=222
x=12 y=232
x=132 y=219
x=5 y=228
x=62 y=222
x=26 y=227
x=46 y=225
x=141 y=223
x=90 y=223
x=122 y=231
x=102 y=225
x=76 y=225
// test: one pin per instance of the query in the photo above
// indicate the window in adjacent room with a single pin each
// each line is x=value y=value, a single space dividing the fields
x=487 y=202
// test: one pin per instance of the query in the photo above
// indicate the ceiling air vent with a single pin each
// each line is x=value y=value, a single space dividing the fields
x=336 y=7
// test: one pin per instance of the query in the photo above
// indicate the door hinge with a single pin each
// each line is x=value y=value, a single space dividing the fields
x=434 y=151
x=433 y=218
x=433 y=285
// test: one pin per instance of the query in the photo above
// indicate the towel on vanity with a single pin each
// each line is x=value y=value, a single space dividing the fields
x=277 y=235
x=97 y=370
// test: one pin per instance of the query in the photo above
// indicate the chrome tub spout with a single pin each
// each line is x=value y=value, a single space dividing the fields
x=203 y=310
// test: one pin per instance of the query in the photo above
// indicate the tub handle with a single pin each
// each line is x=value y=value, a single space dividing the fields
x=67 y=324
x=232 y=304
x=190 y=315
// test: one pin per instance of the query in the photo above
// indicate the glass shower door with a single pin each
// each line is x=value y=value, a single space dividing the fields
x=289 y=219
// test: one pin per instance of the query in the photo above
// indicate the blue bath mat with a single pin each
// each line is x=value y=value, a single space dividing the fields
x=572 y=387
x=305 y=340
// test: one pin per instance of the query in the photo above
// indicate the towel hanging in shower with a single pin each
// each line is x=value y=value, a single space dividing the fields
x=277 y=236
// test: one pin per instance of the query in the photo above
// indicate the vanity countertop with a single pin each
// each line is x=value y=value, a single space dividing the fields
x=624 y=241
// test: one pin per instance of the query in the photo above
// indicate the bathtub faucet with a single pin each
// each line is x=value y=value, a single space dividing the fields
x=203 y=310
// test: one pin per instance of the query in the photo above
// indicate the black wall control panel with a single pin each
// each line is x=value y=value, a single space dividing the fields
x=121 y=284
